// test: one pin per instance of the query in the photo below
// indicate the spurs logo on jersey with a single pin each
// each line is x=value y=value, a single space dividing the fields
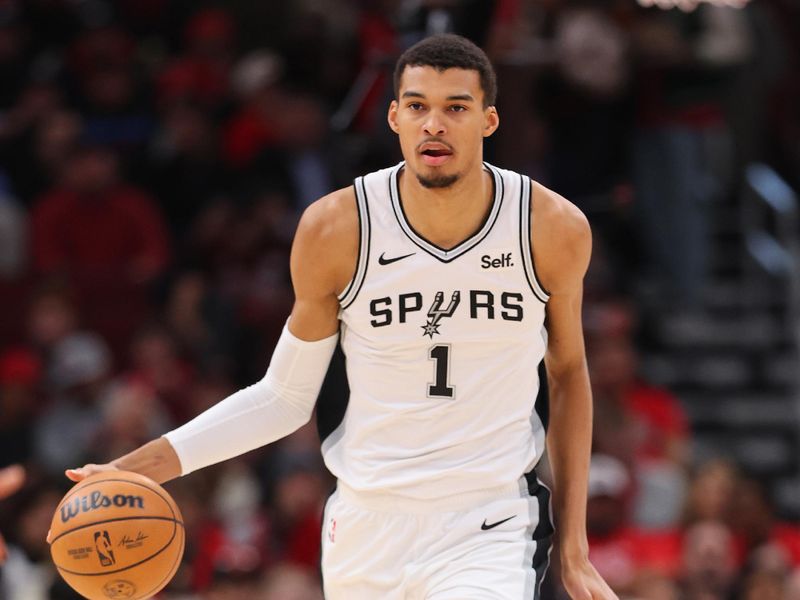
x=436 y=312
x=442 y=349
x=483 y=304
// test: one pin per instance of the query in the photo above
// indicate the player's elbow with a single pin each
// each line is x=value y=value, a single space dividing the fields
x=297 y=401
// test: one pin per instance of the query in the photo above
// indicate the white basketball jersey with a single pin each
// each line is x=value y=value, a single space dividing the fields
x=442 y=349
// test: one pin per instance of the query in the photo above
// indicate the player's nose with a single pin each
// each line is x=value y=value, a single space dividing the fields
x=434 y=124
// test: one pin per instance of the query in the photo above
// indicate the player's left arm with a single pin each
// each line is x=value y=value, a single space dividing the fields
x=562 y=245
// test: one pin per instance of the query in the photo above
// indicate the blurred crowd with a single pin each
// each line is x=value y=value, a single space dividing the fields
x=155 y=156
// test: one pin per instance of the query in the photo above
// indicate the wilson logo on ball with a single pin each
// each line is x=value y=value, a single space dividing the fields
x=97 y=500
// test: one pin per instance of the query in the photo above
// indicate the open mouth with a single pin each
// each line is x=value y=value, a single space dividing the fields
x=437 y=152
x=435 y=155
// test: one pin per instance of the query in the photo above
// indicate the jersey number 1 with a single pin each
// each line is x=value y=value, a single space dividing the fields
x=440 y=355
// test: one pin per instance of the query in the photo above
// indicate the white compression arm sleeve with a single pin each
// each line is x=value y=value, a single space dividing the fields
x=264 y=412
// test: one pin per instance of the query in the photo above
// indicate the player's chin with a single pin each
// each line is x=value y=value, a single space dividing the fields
x=437 y=180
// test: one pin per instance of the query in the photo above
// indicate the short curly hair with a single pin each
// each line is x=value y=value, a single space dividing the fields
x=449 y=51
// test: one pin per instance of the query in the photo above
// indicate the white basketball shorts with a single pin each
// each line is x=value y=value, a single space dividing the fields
x=492 y=545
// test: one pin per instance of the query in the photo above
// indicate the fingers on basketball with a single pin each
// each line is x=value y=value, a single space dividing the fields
x=85 y=471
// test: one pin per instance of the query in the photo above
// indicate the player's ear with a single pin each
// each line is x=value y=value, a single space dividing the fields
x=491 y=121
x=391 y=117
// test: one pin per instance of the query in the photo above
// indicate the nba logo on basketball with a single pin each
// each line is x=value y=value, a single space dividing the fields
x=102 y=543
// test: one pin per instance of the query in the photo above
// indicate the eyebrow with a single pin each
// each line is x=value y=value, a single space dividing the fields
x=462 y=97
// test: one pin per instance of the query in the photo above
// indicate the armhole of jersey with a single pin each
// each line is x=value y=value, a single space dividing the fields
x=347 y=297
x=525 y=240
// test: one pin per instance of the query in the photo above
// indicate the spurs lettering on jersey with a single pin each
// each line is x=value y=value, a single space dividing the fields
x=483 y=304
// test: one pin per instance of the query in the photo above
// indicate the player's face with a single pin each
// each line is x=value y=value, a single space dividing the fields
x=440 y=119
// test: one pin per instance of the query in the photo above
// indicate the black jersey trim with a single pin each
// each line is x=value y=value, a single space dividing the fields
x=442 y=254
x=364 y=242
x=360 y=242
x=543 y=533
x=526 y=248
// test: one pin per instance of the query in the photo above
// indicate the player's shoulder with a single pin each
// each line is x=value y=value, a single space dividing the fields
x=558 y=215
x=331 y=219
x=561 y=238
x=326 y=243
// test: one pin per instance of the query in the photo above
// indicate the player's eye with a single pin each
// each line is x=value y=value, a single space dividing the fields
x=415 y=106
x=457 y=108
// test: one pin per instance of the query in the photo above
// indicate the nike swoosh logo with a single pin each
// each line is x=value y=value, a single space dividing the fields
x=486 y=527
x=387 y=261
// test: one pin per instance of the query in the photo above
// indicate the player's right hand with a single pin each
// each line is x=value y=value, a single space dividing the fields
x=85 y=471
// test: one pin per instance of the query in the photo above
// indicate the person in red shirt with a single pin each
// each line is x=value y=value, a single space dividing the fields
x=755 y=524
x=94 y=225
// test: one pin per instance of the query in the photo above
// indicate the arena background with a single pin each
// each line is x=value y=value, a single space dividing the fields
x=155 y=156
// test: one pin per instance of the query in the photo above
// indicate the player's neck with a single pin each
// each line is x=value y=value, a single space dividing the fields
x=447 y=216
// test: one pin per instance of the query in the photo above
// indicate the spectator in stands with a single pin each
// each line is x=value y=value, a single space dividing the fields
x=652 y=585
x=115 y=109
x=643 y=425
x=33 y=108
x=29 y=574
x=11 y=479
x=13 y=232
x=629 y=557
x=711 y=492
x=709 y=564
x=231 y=535
x=55 y=139
x=757 y=528
x=132 y=414
x=613 y=543
x=289 y=582
x=791 y=589
x=157 y=364
x=184 y=169
x=52 y=315
x=201 y=322
x=201 y=74
x=682 y=154
x=94 y=225
x=254 y=126
x=70 y=425
x=765 y=574
x=295 y=515
x=20 y=371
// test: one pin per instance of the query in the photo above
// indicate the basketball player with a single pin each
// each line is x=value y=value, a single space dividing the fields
x=436 y=276
x=11 y=479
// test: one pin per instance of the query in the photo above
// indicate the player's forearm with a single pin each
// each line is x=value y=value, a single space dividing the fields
x=569 y=448
x=156 y=460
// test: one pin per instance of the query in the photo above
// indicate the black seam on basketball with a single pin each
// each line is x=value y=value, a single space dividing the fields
x=141 y=562
x=147 y=487
x=170 y=574
x=95 y=523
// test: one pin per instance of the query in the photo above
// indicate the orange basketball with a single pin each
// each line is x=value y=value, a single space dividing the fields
x=117 y=535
